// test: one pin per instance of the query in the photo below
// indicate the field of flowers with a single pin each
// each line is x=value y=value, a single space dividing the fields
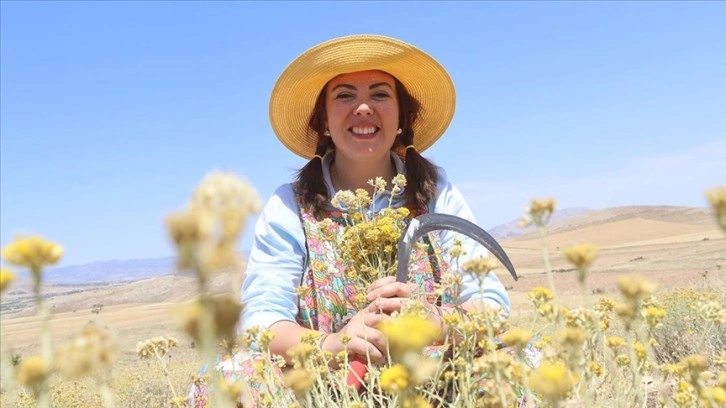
x=637 y=349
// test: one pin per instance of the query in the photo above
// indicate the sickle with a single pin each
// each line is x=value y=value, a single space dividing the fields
x=423 y=224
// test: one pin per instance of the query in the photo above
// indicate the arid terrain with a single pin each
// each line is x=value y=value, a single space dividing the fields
x=673 y=246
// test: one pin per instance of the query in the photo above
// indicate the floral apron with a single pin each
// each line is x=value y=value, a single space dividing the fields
x=326 y=304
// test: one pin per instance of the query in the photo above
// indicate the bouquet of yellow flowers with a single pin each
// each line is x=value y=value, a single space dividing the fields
x=369 y=242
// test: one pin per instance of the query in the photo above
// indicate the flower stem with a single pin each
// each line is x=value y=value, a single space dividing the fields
x=46 y=347
x=545 y=255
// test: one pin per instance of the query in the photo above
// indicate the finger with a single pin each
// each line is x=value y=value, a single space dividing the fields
x=386 y=305
x=360 y=347
x=373 y=319
x=375 y=337
x=392 y=289
x=381 y=282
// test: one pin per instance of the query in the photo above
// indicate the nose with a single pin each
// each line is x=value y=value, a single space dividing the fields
x=363 y=109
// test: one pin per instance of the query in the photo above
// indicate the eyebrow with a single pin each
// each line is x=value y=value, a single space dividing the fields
x=351 y=87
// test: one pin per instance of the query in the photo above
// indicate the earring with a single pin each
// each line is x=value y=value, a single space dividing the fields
x=326 y=133
x=399 y=131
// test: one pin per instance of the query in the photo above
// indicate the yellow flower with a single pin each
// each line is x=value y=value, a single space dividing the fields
x=6 y=277
x=225 y=312
x=654 y=315
x=32 y=372
x=480 y=266
x=299 y=381
x=717 y=198
x=635 y=287
x=713 y=394
x=395 y=379
x=33 y=252
x=409 y=333
x=581 y=256
x=540 y=296
x=640 y=350
x=517 y=337
x=457 y=248
x=540 y=211
x=572 y=336
x=90 y=352
x=552 y=380
x=543 y=342
x=615 y=343
x=415 y=402
x=595 y=368
x=695 y=363
x=622 y=360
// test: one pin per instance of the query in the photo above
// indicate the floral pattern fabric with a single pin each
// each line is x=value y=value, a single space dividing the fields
x=327 y=302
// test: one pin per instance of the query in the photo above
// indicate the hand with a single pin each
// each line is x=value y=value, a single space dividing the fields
x=388 y=295
x=365 y=340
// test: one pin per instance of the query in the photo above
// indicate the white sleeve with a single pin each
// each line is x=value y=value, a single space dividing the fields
x=276 y=262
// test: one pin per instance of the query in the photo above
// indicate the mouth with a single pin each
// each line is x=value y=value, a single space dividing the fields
x=364 y=131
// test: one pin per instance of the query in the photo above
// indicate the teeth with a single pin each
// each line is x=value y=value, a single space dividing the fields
x=363 y=130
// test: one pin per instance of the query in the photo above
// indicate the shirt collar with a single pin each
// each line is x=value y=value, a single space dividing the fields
x=328 y=160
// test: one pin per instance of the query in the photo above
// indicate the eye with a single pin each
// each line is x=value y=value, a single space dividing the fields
x=381 y=95
x=344 y=96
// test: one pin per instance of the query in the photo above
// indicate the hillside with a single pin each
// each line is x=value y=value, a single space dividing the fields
x=673 y=245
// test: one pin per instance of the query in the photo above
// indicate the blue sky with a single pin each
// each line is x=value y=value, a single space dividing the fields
x=111 y=112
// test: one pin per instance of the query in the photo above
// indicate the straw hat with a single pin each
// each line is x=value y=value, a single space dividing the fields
x=299 y=85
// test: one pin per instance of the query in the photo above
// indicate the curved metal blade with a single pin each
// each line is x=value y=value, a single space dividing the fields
x=426 y=223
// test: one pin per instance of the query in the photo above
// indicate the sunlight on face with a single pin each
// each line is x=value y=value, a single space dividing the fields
x=362 y=113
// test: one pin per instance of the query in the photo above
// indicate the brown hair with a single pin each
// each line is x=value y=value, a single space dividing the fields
x=421 y=174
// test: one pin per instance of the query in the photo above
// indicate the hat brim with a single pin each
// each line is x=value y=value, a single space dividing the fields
x=296 y=90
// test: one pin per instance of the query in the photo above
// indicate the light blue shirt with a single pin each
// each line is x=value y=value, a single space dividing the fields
x=277 y=259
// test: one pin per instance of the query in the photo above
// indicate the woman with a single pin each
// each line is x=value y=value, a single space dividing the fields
x=359 y=107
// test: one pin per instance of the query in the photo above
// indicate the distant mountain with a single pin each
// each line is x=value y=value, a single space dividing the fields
x=109 y=271
x=512 y=229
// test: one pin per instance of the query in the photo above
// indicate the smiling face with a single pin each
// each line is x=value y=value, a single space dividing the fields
x=362 y=114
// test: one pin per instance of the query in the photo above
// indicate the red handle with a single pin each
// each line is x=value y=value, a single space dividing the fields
x=357 y=370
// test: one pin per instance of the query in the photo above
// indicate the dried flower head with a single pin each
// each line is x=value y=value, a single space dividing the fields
x=635 y=287
x=90 y=352
x=713 y=397
x=517 y=337
x=32 y=373
x=540 y=211
x=480 y=266
x=695 y=363
x=6 y=278
x=572 y=336
x=299 y=381
x=395 y=379
x=33 y=252
x=615 y=343
x=653 y=316
x=409 y=333
x=540 y=296
x=225 y=311
x=717 y=198
x=552 y=380
x=581 y=256
x=206 y=231
x=155 y=347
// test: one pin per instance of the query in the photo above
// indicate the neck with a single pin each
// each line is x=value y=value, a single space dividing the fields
x=350 y=175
